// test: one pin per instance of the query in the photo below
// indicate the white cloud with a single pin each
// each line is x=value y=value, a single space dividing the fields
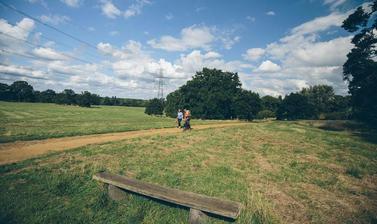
x=71 y=3
x=169 y=16
x=191 y=37
x=54 y=19
x=334 y=3
x=49 y=53
x=12 y=40
x=114 y=33
x=212 y=54
x=21 y=71
x=268 y=66
x=270 y=13
x=318 y=24
x=110 y=10
x=254 y=54
x=251 y=18
x=135 y=9
x=302 y=58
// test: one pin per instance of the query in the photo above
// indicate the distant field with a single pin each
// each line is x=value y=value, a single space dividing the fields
x=27 y=121
x=282 y=172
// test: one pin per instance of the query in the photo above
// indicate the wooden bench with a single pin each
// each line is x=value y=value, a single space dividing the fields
x=196 y=202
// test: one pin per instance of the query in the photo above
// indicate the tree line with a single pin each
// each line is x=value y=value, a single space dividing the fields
x=214 y=94
x=21 y=91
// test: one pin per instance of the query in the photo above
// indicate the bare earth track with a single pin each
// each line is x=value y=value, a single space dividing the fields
x=22 y=150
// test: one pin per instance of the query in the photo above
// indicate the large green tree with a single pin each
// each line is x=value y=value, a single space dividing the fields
x=210 y=94
x=295 y=106
x=321 y=97
x=22 y=91
x=360 y=69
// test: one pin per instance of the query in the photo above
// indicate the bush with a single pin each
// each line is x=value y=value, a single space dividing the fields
x=155 y=106
x=265 y=114
x=344 y=115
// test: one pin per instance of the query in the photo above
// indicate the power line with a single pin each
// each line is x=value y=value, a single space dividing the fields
x=47 y=25
x=50 y=39
x=40 y=46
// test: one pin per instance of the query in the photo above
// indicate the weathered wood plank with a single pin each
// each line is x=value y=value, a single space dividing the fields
x=200 y=202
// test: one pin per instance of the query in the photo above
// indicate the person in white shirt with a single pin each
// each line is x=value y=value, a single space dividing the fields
x=179 y=118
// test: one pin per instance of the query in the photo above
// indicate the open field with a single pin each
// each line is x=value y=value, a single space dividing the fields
x=282 y=172
x=27 y=121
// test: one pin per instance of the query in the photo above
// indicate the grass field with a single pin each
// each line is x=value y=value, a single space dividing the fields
x=282 y=172
x=27 y=121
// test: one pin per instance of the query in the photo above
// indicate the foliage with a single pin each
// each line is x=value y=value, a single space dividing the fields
x=295 y=106
x=214 y=94
x=271 y=103
x=320 y=97
x=21 y=91
x=265 y=114
x=155 y=107
x=360 y=69
x=246 y=105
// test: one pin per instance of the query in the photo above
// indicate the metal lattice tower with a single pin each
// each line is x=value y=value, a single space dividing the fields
x=160 y=86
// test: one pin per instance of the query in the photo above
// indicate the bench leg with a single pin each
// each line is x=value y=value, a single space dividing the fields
x=197 y=217
x=116 y=193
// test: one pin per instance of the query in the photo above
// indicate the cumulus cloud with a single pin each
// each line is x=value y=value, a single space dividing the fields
x=302 y=58
x=13 y=34
x=270 y=13
x=49 y=53
x=195 y=36
x=135 y=9
x=54 y=19
x=268 y=66
x=253 y=54
x=21 y=71
x=71 y=3
x=110 y=10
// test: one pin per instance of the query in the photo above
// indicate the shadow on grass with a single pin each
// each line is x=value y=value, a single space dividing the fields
x=357 y=129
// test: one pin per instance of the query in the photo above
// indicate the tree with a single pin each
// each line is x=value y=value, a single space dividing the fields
x=360 y=69
x=209 y=95
x=84 y=99
x=295 y=106
x=246 y=105
x=47 y=96
x=155 y=106
x=22 y=91
x=321 y=97
x=5 y=92
x=271 y=103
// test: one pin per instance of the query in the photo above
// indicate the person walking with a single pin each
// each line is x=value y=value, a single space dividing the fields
x=187 y=117
x=179 y=118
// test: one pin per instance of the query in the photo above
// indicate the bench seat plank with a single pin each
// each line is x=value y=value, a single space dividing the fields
x=216 y=206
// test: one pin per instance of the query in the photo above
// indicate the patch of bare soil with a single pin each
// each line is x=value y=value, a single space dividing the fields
x=263 y=163
x=22 y=150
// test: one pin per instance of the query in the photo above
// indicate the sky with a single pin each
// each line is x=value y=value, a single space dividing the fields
x=121 y=47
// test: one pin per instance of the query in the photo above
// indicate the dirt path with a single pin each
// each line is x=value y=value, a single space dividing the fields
x=18 y=151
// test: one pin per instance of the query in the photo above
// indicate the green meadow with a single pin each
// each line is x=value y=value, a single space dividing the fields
x=29 y=121
x=282 y=172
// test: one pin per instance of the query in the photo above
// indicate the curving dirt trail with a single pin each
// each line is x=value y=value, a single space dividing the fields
x=22 y=150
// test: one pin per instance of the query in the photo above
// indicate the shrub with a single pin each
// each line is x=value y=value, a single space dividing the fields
x=265 y=114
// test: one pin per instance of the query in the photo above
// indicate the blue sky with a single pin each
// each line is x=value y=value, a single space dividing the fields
x=275 y=46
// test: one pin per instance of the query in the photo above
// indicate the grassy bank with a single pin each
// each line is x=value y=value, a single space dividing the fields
x=282 y=172
x=28 y=121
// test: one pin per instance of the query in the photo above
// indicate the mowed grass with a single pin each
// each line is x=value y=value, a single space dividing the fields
x=282 y=172
x=28 y=121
